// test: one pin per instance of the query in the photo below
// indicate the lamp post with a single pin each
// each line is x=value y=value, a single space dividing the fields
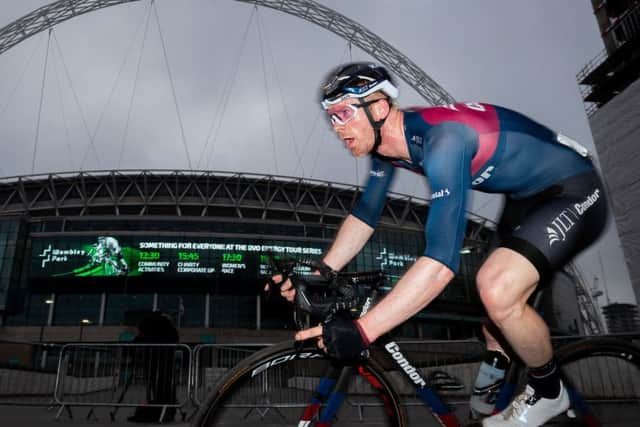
x=83 y=322
x=46 y=307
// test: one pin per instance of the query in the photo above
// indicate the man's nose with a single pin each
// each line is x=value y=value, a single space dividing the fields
x=337 y=126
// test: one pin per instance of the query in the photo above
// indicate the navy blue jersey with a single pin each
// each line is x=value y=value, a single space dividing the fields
x=466 y=146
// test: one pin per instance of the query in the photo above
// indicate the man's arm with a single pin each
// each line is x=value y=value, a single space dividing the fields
x=447 y=154
x=449 y=148
x=352 y=235
x=358 y=227
x=420 y=285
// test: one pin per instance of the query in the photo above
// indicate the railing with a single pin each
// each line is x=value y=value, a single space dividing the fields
x=603 y=381
x=28 y=373
x=624 y=29
x=212 y=361
x=166 y=378
x=590 y=66
x=279 y=388
x=585 y=90
x=124 y=375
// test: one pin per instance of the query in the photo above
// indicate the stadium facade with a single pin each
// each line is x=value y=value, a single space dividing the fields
x=85 y=254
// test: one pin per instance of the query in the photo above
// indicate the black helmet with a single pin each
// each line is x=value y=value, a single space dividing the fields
x=356 y=80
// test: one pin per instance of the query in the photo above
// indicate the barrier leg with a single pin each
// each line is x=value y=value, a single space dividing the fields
x=90 y=413
x=63 y=407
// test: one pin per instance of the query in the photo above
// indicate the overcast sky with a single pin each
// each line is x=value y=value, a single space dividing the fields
x=139 y=87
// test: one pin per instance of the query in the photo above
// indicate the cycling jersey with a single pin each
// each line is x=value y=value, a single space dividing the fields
x=476 y=146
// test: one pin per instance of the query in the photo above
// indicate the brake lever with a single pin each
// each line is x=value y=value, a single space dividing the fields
x=273 y=284
x=297 y=318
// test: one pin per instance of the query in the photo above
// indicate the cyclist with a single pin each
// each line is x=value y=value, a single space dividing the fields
x=555 y=207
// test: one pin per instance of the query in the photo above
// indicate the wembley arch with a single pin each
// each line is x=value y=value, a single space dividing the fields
x=59 y=11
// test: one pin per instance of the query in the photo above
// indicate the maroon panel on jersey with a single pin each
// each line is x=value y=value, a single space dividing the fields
x=480 y=117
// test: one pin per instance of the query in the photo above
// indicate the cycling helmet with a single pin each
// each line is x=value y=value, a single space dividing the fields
x=357 y=80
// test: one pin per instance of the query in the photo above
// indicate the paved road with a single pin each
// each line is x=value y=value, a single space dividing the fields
x=36 y=416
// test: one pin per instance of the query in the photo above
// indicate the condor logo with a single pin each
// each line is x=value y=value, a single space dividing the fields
x=561 y=225
x=402 y=361
x=589 y=201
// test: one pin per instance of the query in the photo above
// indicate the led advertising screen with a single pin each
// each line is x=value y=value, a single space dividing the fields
x=104 y=256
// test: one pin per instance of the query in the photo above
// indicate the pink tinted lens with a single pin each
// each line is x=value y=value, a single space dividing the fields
x=341 y=115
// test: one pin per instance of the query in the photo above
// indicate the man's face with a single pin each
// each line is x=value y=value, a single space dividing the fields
x=352 y=126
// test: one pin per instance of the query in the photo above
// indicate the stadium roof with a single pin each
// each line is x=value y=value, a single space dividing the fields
x=186 y=193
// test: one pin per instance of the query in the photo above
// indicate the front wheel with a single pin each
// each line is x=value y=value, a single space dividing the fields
x=282 y=386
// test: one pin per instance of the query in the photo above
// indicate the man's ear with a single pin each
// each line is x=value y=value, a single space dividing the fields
x=382 y=108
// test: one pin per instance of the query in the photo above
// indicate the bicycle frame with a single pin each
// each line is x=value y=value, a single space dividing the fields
x=332 y=388
x=331 y=391
x=334 y=385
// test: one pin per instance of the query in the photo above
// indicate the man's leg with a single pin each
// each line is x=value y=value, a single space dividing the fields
x=505 y=282
x=490 y=376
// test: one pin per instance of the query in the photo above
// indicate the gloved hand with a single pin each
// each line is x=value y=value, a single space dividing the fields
x=344 y=339
x=285 y=285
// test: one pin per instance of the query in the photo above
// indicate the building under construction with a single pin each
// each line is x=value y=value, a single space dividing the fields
x=611 y=91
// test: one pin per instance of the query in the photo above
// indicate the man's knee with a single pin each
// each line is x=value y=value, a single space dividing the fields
x=498 y=288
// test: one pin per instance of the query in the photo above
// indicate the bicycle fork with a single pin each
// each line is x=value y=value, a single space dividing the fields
x=332 y=388
x=331 y=391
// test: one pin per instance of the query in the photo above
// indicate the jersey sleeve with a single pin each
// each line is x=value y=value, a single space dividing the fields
x=370 y=204
x=449 y=149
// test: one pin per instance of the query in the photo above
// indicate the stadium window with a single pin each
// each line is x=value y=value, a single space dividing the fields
x=71 y=309
x=35 y=227
x=121 y=309
x=186 y=310
x=233 y=311
x=33 y=313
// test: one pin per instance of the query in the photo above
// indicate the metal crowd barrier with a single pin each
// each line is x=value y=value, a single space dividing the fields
x=453 y=364
x=123 y=375
x=211 y=363
x=172 y=376
x=451 y=367
x=28 y=373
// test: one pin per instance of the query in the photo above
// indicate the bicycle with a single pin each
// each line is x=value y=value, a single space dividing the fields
x=304 y=387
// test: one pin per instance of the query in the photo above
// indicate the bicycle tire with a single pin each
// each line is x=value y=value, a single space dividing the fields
x=283 y=379
x=603 y=379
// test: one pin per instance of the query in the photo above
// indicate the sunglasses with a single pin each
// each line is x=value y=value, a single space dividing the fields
x=343 y=114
